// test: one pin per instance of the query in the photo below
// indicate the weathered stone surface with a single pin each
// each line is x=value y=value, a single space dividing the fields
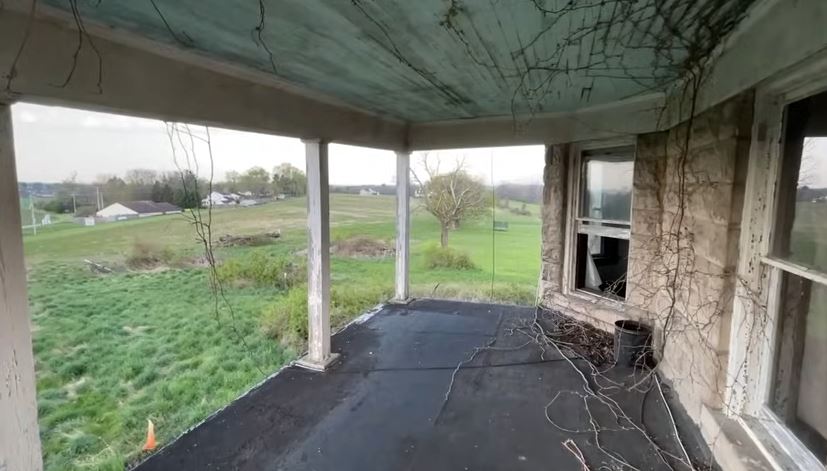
x=555 y=177
x=685 y=230
x=700 y=198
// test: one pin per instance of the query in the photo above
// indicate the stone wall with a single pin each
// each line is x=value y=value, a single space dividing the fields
x=555 y=175
x=683 y=249
x=687 y=204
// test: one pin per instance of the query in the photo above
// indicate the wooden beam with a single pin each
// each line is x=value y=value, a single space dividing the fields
x=19 y=432
x=403 y=225
x=318 y=356
x=621 y=119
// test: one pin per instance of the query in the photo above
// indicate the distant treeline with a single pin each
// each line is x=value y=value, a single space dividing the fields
x=355 y=189
x=805 y=193
x=181 y=188
x=82 y=199
x=527 y=193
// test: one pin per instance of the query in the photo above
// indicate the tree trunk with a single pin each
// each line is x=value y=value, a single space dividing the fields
x=443 y=238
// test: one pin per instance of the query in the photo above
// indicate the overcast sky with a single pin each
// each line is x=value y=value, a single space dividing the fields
x=52 y=143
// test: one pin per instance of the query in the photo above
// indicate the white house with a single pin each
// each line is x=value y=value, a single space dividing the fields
x=216 y=198
x=368 y=192
x=136 y=209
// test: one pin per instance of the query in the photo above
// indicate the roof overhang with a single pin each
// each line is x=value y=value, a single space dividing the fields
x=144 y=76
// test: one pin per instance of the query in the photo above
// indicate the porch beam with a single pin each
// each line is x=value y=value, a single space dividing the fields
x=19 y=432
x=403 y=225
x=619 y=119
x=318 y=355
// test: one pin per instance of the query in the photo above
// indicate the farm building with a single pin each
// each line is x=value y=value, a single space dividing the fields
x=676 y=134
x=216 y=198
x=136 y=209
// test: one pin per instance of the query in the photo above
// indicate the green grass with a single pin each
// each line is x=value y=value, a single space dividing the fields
x=115 y=350
x=26 y=216
x=808 y=239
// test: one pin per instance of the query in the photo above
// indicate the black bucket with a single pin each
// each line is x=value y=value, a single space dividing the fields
x=632 y=343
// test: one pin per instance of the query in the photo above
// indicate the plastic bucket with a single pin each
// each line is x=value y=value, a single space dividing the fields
x=632 y=340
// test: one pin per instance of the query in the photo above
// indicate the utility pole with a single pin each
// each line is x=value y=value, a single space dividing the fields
x=98 y=200
x=74 y=205
x=34 y=221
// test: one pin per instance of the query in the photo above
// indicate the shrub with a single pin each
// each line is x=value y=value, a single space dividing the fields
x=146 y=255
x=446 y=257
x=264 y=269
x=286 y=319
x=521 y=211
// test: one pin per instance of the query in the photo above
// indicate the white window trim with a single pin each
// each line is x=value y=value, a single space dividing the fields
x=574 y=221
x=752 y=354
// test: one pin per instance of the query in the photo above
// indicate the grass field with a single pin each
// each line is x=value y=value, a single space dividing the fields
x=26 y=215
x=115 y=350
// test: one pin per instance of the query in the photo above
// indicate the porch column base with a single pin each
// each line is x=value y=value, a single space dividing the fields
x=314 y=365
x=404 y=301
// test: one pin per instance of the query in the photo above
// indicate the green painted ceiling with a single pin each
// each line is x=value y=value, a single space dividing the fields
x=428 y=60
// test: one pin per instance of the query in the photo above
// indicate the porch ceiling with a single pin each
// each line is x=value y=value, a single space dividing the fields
x=433 y=60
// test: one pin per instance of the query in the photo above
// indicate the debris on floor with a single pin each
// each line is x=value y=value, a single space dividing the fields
x=580 y=338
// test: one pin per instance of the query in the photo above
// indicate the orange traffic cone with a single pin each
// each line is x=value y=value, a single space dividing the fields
x=150 y=436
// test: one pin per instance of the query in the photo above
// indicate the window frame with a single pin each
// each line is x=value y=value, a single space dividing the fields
x=575 y=222
x=753 y=354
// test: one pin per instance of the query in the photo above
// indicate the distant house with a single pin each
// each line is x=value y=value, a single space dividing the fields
x=368 y=192
x=136 y=209
x=216 y=198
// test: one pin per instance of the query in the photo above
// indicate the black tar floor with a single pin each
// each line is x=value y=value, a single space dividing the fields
x=386 y=405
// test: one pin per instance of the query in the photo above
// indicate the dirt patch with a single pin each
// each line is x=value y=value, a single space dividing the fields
x=254 y=240
x=147 y=255
x=363 y=247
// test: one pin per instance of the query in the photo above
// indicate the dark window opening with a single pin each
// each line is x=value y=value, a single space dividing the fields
x=801 y=363
x=603 y=225
x=602 y=264
x=799 y=247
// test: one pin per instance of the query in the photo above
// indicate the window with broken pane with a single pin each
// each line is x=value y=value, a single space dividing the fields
x=603 y=223
x=799 y=257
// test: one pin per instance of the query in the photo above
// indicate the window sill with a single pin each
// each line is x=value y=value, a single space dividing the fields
x=778 y=445
x=595 y=298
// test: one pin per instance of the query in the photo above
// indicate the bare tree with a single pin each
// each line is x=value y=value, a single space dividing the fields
x=452 y=197
x=141 y=176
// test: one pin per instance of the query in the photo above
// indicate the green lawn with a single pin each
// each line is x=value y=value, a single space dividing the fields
x=115 y=350
x=808 y=239
x=26 y=215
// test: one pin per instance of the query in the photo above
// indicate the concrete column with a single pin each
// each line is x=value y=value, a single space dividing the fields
x=403 y=224
x=19 y=433
x=318 y=257
x=555 y=176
